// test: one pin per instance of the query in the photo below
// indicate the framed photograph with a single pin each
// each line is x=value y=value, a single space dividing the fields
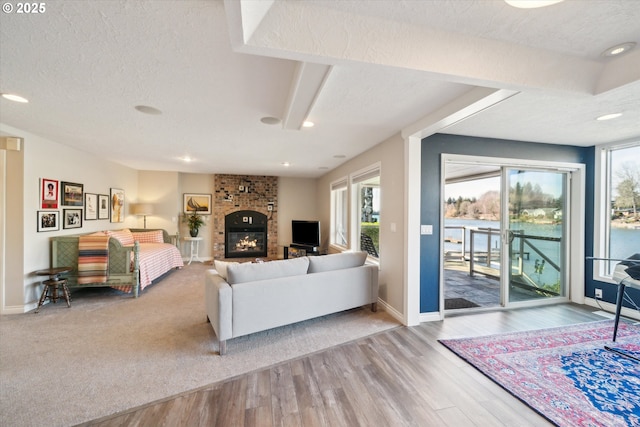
x=71 y=194
x=48 y=193
x=103 y=206
x=90 y=206
x=117 y=205
x=197 y=203
x=48 y=221
x=72 y=218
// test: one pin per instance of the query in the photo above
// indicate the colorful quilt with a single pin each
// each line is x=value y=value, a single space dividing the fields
x=93 y=258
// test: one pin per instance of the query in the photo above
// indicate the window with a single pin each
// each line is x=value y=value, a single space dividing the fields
x=339 y=198
x=617 y=233
x=366 y=220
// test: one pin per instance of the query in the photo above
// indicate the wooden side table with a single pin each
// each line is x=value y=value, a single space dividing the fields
x=52 y=285
x=195 y=248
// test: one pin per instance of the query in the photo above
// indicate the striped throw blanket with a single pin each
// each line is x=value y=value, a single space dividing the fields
x=93 y=258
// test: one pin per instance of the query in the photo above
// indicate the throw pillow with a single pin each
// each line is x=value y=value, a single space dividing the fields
x=123 y=236
x=318 y=264
x=221 y=267
x=249 y=272
x=154 y=236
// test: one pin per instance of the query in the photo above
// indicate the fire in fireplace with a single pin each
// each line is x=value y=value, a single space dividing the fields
x=245 y=234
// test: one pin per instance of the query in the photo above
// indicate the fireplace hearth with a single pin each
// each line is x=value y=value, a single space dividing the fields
x=245 y=234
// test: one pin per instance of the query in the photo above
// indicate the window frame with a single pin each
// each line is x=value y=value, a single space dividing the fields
x=356 y=179
x=339 y=185
x=602 y=208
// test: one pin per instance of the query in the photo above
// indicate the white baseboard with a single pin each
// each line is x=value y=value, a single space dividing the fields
x=19 y=309
x=434 y=316
x=392 y=311
x=611 y=308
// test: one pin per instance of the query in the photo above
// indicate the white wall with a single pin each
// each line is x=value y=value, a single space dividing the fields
x=297 y=199
x=200 y=184
x=390 y=154
x=47 y=159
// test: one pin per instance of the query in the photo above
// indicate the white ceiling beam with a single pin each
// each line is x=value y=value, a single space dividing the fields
x=305 y=88
x=467 y=105
x=307 y=32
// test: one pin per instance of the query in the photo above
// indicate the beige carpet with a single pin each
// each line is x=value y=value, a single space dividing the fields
x=110 y=352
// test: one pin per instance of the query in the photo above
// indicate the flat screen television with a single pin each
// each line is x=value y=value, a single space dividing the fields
x=305 y=233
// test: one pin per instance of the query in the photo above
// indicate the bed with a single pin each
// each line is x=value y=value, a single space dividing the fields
x=130 y=260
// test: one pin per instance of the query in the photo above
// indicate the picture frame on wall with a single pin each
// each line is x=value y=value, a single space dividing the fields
x=103 y=206
x=72 y=218
x=117 y=205
x=90 y=206
x=48 y=221
x=197 y=203
x=49 y=193
x=71 y=193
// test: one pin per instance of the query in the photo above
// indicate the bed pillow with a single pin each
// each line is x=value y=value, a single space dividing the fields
x=249 y=272
x=221 y=267
x=123 y=236
x=318 y=264
x=154 y=236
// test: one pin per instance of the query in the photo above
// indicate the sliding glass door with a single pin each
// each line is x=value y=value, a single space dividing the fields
x=534 y=229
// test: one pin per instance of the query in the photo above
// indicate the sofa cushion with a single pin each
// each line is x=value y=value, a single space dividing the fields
x=124 y=236
x=154 y=236
x=221 y=267
x=249 y=272
x=318 y=264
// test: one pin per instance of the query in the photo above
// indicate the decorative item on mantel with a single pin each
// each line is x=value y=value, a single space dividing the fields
x=194 y=221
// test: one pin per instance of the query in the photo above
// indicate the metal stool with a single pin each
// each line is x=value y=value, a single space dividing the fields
x=52 y=284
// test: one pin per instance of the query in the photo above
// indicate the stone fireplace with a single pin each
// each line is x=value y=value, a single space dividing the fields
x=245 y=234
x=237 y=193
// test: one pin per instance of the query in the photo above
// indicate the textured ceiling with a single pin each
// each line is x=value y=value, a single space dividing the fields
x=215 y=68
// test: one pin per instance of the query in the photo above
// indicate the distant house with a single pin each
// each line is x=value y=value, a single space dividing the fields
x=542 y=213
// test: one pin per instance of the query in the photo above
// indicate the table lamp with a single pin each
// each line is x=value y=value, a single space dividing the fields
x=142 y=209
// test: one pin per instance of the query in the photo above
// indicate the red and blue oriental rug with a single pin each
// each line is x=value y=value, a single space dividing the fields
x=564 y=374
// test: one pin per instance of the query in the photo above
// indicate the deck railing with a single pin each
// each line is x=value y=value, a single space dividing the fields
x=483 y=259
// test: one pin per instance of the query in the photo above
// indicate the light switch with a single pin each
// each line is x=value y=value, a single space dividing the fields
x=426 y=229
x=393 y=227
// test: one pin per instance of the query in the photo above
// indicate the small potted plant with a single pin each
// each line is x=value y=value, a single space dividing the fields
x=194 y=221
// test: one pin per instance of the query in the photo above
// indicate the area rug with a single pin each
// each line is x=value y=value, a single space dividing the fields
x=564 y=374
x=456 y=303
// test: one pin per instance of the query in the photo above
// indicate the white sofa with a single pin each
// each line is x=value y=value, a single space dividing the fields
x=253 y=297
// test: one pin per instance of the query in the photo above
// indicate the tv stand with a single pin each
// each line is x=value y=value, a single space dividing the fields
x=295 y=251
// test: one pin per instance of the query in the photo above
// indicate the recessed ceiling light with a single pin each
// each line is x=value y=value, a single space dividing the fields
x=609 y=116
x=307 y=124
x=531 y=4
x=15 y=98
x=186 y=159
x=619 y=49
x=270 y=120
x=286 y=164
x=148 y=110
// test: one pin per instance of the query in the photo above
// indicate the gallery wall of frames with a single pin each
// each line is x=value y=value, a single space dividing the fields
x=66 y=203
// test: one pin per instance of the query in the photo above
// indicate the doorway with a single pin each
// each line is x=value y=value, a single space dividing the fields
x=510 y=224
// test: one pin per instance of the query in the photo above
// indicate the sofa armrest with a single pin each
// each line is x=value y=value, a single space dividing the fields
x=218 y=299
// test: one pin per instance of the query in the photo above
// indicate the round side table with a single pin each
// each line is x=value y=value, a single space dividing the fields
x=52 y=285
x=195 y=248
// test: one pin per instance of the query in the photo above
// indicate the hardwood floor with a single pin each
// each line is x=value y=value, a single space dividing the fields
x=402 y=377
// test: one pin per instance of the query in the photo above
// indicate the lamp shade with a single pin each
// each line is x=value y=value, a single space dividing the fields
x=142 y=208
